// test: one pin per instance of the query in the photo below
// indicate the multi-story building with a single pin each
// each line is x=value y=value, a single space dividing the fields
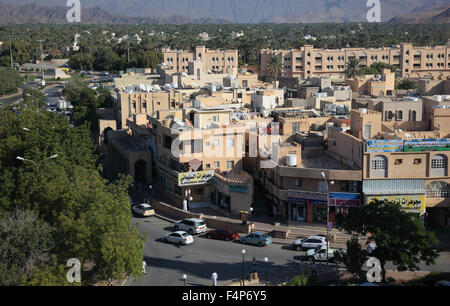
x=411 y=61
x=220 y=61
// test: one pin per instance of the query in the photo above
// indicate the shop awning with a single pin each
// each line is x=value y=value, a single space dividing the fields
x=393 y=187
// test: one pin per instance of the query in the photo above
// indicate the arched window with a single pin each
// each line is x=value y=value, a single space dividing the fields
x=437 y=190
x=439 y=165
x=413 y=116
x=379 y=166
x=390 y=115
x=400 y=115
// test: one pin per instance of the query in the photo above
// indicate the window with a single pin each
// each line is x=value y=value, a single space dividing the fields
x=216 y=142
x=295 y=127
x=298 y=182
x=208 y=166
x=144 y=104
x=398 y=161
x=437 y=190
x=215 y=118
x=439 y=165
x=379 y=166
x=216 y=164
x=230 y=164
x=230 y=143
x=417 y=161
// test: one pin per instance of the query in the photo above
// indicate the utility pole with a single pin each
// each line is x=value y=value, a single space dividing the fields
x=42 y=59
x=10 y=52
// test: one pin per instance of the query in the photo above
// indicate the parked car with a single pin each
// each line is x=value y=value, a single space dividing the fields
x=312 y=242
x=192 y=226
x=257 y=238
x=179 y=237
x=320 y=254
x=222 y=234
x=143 y=210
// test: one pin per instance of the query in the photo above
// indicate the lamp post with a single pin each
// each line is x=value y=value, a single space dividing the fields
x=37 y=164
x=328 y=211
x=243 y=265
x=266 y=260
x=184 y=279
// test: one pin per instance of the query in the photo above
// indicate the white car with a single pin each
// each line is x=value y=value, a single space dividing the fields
x=143 y=210
x=312 y=242
x=192 y=226
x=179 y=237
x=320 y=254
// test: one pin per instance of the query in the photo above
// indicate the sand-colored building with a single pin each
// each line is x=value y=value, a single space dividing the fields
x=411 y=61
x=372 y=85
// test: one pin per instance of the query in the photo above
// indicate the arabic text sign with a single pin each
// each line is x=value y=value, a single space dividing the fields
x=427 y=145
x=388 y=145
x=195 y=178
x=410 y=203
x=303 y=196
x=345 y=199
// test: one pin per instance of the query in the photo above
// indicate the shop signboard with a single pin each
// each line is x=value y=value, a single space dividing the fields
x=195 y=178
x=302 y=196
x=410 y=203
x=238 y=188
x=417 y=145
x=386 y=145
x=345 y=199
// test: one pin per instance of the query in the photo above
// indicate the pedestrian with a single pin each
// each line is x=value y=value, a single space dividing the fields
x=144 y=264
x=185 y=205
x=214 y=278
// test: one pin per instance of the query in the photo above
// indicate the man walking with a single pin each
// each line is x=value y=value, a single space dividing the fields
x=214 y=279
x=144 y=264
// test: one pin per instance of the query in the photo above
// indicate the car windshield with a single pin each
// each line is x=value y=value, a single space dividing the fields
x=185 y=234
x=201 y=223
x=318 y=249
x=147 y=208
x=265 y=236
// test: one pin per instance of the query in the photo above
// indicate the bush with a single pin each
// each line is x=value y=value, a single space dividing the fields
x=298 y=280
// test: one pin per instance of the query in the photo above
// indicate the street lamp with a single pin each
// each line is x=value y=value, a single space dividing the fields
x=37 y=164
x=328 y=210
x=266 y=260
x=243 y=264
x=184 y=278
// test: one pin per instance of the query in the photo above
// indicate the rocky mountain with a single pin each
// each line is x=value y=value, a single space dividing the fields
x=33 y=13
x=438 y=15
x=236 y=11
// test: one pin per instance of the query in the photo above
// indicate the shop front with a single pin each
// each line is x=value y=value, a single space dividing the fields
x=409 y=194
x=307 y=206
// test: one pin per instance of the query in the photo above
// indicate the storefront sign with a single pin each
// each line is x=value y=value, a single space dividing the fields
x=417 y=145
x=238 y=188
x=388 y=145
x=195 y=178
x=302 y=196
x=345 y=199
x=410 y=203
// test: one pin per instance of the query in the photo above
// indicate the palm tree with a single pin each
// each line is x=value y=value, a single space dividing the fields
x=407 y=83
x=353 y=69
x=274 y=66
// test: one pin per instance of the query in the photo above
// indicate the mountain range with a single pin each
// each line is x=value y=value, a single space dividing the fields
x=218 y=11
x=437 y=15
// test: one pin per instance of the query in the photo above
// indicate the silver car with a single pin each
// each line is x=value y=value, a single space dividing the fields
x=179 y=237
x=192 y=226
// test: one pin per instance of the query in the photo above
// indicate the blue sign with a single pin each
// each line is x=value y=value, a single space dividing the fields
x=345 y=199
x=387 y=145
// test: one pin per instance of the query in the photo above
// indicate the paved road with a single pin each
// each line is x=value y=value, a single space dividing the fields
x=168 y=262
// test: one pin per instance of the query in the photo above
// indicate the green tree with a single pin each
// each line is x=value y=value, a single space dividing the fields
x=407 y=83
x=354 y=258
x=25 y=243
x=274 y=66
x=398 y=235
x=9 y=80
x=353 y=69
x=298 y=280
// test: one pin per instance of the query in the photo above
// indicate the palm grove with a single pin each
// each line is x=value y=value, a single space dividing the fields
x=62 y=209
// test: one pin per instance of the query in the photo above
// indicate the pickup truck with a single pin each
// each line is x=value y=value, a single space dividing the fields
x=320 y=254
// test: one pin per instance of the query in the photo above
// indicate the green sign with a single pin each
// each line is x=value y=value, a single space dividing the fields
x=238 y=188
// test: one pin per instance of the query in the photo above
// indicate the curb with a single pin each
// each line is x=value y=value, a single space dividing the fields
x=164 y=218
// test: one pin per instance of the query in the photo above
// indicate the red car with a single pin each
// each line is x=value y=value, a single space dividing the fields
x=222 y=234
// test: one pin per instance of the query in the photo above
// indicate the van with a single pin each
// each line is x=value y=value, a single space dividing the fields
x=192 y=226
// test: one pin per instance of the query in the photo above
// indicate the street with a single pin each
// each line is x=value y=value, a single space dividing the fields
x=167 y=262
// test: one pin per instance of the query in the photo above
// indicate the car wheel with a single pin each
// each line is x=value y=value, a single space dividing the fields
x=311 y=259
x=260 y=244
x=208 y=236
x=298 y=247
x=176 y=227
x=243 y=242
x=180 y=243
